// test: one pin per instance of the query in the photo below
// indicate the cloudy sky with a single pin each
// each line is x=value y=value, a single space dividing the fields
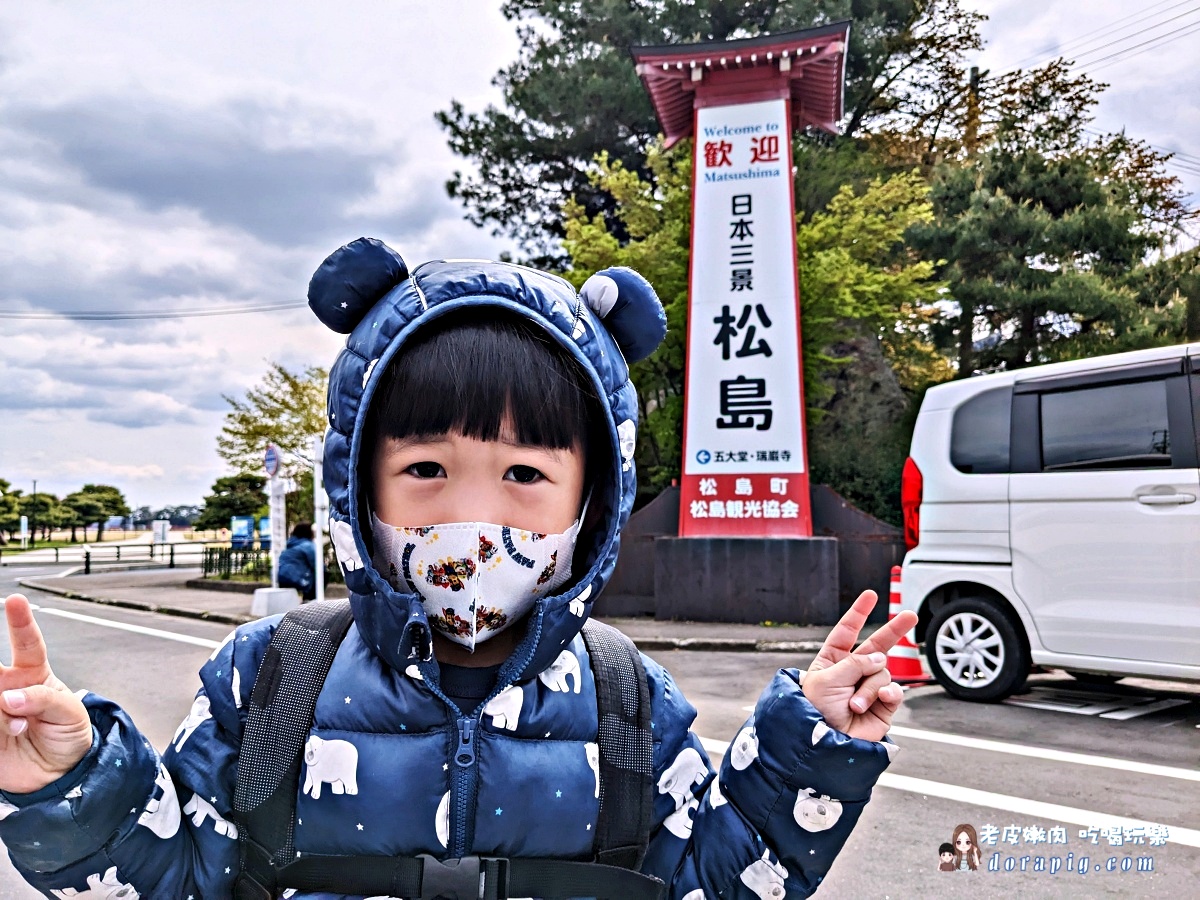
x=170 y=156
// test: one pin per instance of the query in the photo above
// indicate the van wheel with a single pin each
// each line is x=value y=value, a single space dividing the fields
x=974 y=651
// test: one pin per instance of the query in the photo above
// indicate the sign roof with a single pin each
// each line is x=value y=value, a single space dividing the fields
x=807 y=67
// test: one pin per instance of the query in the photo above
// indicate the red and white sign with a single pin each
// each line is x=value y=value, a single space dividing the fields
x=744 y=467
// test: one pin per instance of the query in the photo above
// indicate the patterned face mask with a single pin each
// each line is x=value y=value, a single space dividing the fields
x=475 y=578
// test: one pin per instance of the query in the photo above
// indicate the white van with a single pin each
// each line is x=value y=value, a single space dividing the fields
x=1052 y=520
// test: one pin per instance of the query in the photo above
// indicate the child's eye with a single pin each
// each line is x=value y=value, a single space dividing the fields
x=523 y=474
x=426 y=470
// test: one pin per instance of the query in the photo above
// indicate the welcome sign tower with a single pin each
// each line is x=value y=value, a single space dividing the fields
x=745 y=471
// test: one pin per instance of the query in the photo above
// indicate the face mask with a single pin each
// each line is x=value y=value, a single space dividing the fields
x=475 y=578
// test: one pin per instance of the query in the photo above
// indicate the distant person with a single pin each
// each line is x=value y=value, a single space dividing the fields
x=298 y=562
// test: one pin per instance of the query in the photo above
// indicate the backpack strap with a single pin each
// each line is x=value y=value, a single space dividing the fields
x=626 y=747
x=289 y=679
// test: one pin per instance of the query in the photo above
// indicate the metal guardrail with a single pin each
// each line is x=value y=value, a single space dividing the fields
x=225 y=562
x=216 y=560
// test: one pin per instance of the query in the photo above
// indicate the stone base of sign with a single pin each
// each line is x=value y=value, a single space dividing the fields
x=747 y=580
x=269 y=601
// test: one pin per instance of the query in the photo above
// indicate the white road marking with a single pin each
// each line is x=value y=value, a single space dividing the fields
x=1080 y=759
x=122 y=626
x=1187 y=837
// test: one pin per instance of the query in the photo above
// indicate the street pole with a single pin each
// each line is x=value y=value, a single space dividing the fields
x=33 y=518
x=320 y=513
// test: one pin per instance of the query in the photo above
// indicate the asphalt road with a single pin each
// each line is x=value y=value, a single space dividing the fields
x=1062 y=756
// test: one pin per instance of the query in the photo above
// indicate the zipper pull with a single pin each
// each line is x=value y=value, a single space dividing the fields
x=465 y=754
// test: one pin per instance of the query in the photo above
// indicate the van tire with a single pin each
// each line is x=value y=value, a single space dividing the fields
x=997 y=662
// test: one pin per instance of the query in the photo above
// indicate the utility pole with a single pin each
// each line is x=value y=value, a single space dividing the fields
x=33 y=518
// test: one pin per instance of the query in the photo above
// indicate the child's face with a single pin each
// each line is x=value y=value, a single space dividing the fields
x=460 y=479
x=947 y=857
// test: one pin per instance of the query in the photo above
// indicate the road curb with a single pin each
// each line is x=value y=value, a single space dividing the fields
x=203 y=615
x=647 y=644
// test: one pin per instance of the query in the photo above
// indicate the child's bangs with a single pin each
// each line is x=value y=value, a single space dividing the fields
x=478 y=372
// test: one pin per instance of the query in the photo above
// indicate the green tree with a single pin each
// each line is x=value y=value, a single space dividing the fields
x=857 y=279
x=286 y=409
x=233 y=495
x=573 y=94
x=110 y=499
x=10 y=512
x=44 y=512
x=82 y=509
x=1039 y=233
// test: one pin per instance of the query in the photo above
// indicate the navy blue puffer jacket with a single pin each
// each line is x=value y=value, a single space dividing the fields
x=379 y=775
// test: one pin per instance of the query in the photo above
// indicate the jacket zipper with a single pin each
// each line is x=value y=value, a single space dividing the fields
x=464 y=782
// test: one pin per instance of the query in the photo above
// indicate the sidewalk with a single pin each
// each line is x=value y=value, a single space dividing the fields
x=166 y=592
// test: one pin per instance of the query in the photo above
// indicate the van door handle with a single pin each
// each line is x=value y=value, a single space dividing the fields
x=1166 y=499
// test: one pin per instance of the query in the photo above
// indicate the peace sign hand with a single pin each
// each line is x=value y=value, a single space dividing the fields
x=44 y=728
x=852 y=689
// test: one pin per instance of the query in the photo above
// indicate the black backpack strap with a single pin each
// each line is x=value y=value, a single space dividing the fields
x=468 y=878
x=289 y=679
x=626 y=747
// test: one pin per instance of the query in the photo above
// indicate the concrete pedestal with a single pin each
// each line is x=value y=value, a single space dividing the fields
x=752 y=580
x=269 y=601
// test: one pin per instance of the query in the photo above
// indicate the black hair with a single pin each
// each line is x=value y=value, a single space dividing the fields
x=945 y=848
x=469 y=370
x=303 y=530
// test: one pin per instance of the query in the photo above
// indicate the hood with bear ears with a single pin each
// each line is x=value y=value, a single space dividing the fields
x=365 y=290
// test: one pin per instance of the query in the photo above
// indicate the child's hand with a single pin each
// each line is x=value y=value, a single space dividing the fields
x=852 y=689
x=44 y=728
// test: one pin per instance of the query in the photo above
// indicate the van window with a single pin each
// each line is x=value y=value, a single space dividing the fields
x=1113 y=426
x=980 y=434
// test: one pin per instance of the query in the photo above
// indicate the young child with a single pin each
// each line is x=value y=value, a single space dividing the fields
x=480 y=468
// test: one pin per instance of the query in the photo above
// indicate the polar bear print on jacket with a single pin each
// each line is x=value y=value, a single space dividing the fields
x=627 y=435
x=335 y=762
x=697 y=894
x=441 y=820
x=715 y=797
x=679 y=823
x=200 y=809
x=110 y=887
x=592 y=751
x=558 y=672
x=343 y=545
x=577 y=605
x=237 y=688
x=744 y=749
x=813 y=813
x=199 y=712
x=765 y=878
x=819 y=731
x=682 y=776
x=505 y=707
x=161 y=814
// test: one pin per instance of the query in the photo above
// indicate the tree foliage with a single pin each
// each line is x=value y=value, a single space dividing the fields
x=855 y=272
x=233 y=495
x=109 y=499
x=573 y=94
x=1039 y=230
x=286 y=409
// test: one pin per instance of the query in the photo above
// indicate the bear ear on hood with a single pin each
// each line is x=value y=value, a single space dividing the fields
x=352 y=280
x=629 y=308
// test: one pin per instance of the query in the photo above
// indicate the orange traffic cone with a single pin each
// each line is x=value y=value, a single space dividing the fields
x=904 y=661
